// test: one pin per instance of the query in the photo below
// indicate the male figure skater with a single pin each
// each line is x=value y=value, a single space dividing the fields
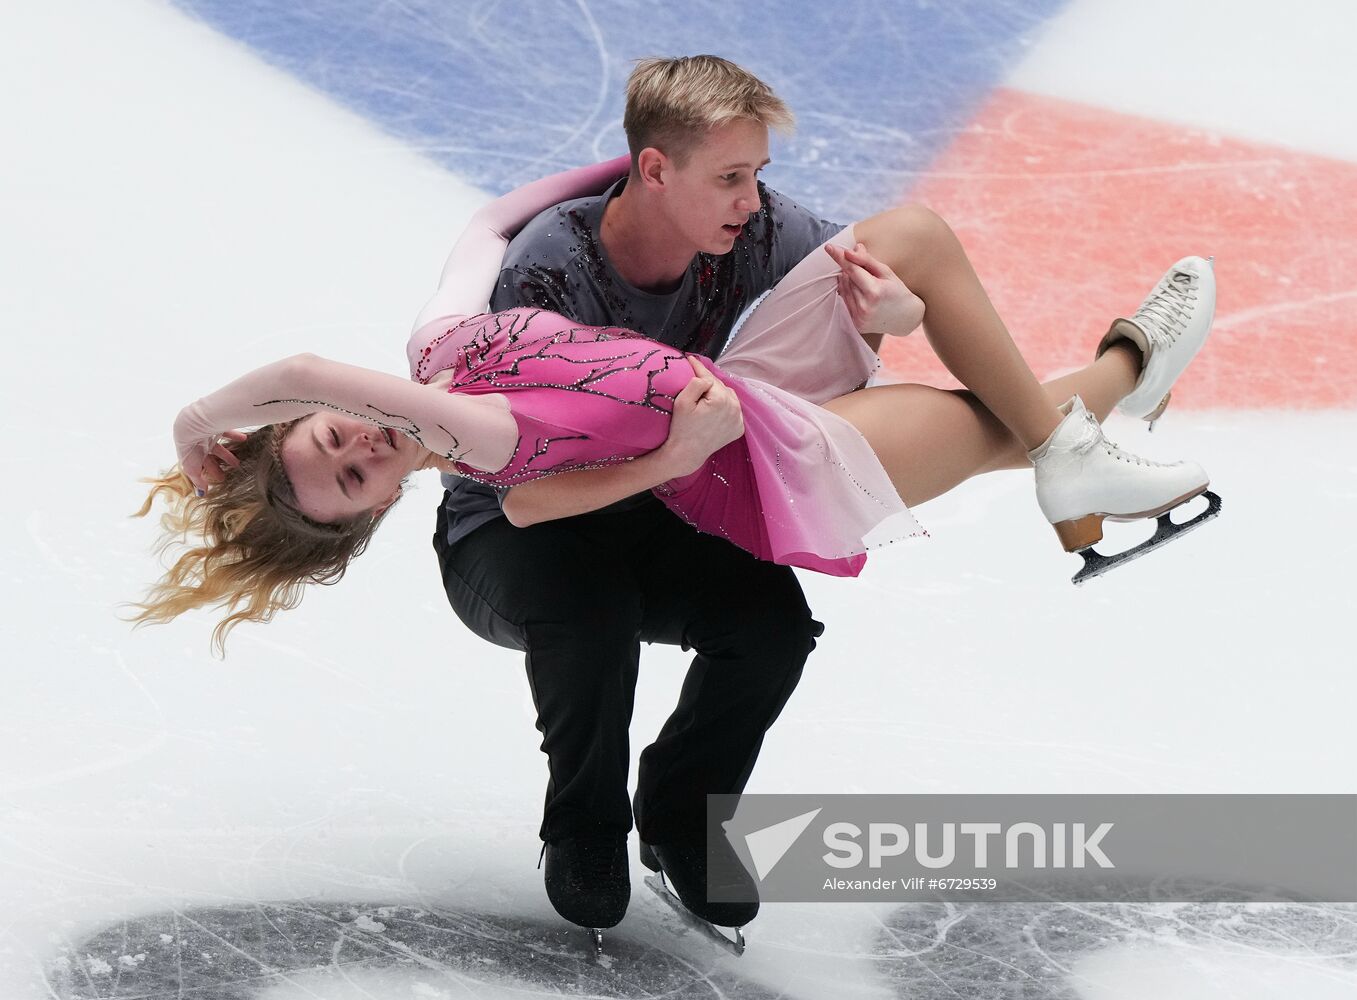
x=577 y=569
x=578 y=592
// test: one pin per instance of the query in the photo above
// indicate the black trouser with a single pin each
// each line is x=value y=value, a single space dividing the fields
x=578 y=595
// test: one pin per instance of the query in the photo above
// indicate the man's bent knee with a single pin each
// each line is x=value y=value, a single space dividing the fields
x=772 y=622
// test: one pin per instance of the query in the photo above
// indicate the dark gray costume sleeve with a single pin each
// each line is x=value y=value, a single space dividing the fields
x=529 y=286
x=783 y=234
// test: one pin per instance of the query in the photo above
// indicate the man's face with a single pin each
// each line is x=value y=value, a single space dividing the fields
x=713 y=194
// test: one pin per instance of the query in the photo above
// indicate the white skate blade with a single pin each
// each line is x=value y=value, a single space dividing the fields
x=661 y=888
x=1096 y=564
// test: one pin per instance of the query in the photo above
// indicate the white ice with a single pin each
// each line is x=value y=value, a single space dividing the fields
x=1258 y=70
x=173 y=212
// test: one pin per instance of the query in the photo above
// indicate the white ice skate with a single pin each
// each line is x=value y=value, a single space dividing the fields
x=1083 y=479
x=1169 y=328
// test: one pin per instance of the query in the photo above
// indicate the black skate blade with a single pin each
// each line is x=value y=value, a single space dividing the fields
x=661 y=888
x=1096 y=564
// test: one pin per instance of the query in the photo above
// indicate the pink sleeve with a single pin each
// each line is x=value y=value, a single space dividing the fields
x=456 y=426
x=473 y=266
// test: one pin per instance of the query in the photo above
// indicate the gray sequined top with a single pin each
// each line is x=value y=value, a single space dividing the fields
x=557 y=263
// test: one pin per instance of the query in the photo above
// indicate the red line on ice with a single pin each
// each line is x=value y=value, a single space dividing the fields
x=1071 y=213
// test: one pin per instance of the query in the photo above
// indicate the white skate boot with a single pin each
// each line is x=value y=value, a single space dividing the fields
x=1083 y=479
x=1169 y=328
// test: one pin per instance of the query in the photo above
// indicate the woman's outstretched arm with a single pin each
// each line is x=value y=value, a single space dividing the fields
x=474 y=263
x=479 y=433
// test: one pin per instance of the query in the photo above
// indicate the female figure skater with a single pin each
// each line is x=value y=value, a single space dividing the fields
x=508 y=398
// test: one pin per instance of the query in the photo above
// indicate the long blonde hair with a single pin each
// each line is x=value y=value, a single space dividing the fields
x=258 y=551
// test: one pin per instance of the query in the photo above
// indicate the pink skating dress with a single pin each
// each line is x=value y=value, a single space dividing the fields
x=801 y=487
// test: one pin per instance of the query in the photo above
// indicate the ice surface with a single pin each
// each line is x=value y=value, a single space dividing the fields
x=174 y=211
x=504 y=92
x=1274 y=72
x=290 y=951
x=294 y=951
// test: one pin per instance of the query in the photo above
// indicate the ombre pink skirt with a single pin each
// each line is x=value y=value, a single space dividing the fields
x=801 y=487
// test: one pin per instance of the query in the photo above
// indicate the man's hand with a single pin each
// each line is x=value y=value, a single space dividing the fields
x=877 y=299
x=706 y=418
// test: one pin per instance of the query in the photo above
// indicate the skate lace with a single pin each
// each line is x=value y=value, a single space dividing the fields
x=1164 y=314
x=1099 y=440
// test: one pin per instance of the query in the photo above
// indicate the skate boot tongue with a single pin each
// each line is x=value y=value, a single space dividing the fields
x=1125 y=329
x=1169 y=328
x=1078 y=431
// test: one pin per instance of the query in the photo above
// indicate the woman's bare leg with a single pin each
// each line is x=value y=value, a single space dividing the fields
x=959 y=320
x=930 y=440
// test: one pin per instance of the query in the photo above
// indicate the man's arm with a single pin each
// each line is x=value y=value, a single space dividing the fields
x=571 y=493
x=877 y=300
x=706 y=418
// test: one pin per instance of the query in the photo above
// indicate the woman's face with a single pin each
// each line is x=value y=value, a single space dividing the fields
x=341 y=467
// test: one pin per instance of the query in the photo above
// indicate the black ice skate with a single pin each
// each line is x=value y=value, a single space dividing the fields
x=680 y=880
x=588 y=881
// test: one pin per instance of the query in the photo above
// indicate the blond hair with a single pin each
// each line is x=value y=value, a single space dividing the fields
x=258 y=549
x=673 y=103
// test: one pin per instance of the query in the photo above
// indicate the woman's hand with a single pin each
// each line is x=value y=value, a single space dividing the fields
x=877 y=299
x=204 y=460
x=707 y=417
